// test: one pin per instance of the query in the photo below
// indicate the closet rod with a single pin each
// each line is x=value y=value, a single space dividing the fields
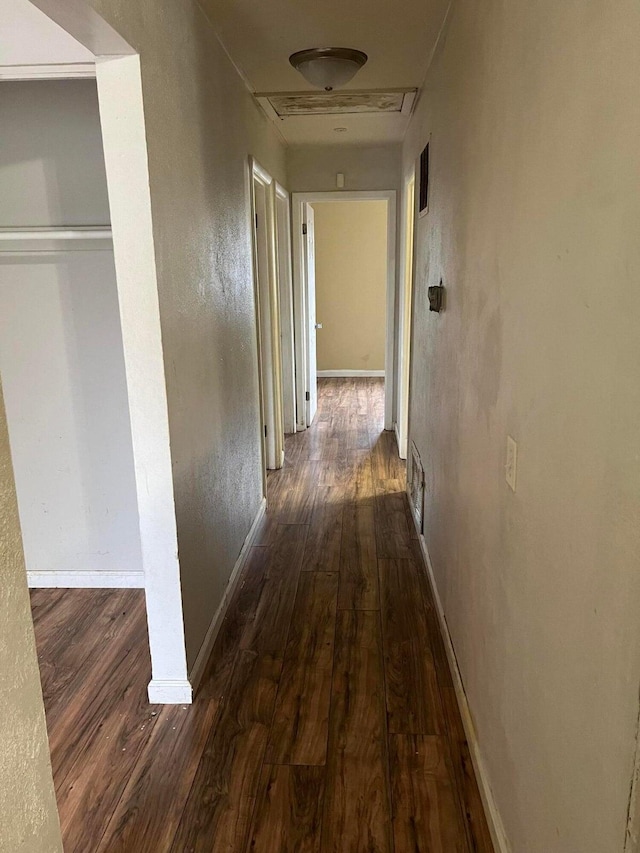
x=79 y=232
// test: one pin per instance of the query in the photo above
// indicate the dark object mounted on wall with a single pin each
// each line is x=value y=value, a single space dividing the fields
x=423 y=196
x=436 y=297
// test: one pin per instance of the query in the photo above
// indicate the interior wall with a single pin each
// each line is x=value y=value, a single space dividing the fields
x=61 y=355
x=313 y=168
x=51 y=157
x=27 y=799
x=533 y=115
x=351 y=284
x=201 y=126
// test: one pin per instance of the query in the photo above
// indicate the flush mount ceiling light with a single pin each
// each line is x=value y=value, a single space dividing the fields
x=328 y=68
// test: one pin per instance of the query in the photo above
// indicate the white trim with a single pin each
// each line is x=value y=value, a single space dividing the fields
x=344 y=373
x=50 y=578
x=299 y=315
x=494 y=821
x=51 y=71
x=169 y=692
x=198 y=668
x=267 y=316
x=285 y=287
x=405 y=289
x=398 y=440
x=299 y=287
x=121 y=108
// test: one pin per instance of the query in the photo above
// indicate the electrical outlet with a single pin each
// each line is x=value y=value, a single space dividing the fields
x=511 y=466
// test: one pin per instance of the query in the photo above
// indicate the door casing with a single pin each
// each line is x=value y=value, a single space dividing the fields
x=301 y=296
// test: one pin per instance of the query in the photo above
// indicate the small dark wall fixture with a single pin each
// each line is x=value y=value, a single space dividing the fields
x=436 y=297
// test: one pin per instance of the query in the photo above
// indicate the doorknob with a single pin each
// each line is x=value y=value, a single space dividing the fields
x=318 y=325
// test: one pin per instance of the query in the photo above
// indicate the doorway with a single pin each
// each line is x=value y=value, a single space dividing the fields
x=71 y=247
x=352 y=307
x=269 y=272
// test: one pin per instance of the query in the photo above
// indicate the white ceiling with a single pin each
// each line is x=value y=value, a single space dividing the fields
x=398 y=38
x=29 y=37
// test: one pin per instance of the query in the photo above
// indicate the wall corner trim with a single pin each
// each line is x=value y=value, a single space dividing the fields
x=496 y=828
x=199 y=666
x=168 y=692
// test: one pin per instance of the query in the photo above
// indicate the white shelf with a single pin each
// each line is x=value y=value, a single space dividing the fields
x=91 y=232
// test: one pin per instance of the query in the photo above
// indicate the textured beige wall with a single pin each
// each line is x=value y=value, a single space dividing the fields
x=28 y=814
x=201 y=127
x=534 y=117
x=351 y=284
x=313 y=168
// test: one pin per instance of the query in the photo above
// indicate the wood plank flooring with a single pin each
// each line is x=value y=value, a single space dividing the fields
x=327 y=720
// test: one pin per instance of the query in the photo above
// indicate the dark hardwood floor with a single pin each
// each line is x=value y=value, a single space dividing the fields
x=327 y=720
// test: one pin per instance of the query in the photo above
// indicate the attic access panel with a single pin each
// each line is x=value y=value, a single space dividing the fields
x=286 y=104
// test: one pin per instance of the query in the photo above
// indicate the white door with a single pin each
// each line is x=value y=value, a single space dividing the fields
x=310 y=276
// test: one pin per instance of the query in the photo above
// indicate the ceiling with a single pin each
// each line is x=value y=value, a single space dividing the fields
x=29 y=37
x=397 y=37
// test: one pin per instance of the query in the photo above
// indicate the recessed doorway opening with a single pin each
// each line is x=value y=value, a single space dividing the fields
x=344 y=286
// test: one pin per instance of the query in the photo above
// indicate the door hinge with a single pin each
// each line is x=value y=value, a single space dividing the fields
x=307 y=396
x=265 y=430
x=256 y=220
x=304 y=227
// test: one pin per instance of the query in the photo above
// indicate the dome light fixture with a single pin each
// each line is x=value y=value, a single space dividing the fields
x=328 y=68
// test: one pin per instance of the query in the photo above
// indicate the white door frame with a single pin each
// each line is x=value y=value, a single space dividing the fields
x=285 y=288
x=301 y=310
x=407 y=229
x=268 y=322
x=117 y=70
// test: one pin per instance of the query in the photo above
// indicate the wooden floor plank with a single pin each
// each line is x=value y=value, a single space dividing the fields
x=218 y=811
x=85 y=803
x=356 y=806
x=73 y=644
x=300 y=726
x=393 y=533
x=358 y=560
x=322 y=550
x=242 y=612
x=288 y=810
x=266 y=632
x=414 y=705
x=426 y=813
x=152 y=803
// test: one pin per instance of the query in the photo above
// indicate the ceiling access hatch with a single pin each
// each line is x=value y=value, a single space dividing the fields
x=285 y=104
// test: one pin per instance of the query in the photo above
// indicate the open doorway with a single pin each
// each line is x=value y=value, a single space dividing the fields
x=267 y=275
x=344 y=268
x=81 y=343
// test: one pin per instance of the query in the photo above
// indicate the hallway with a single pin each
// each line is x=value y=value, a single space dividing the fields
x=327 y=720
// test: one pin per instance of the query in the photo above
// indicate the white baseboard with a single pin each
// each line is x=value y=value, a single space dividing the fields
x=494 y=821
x=85 y=579
x=344 y=373
x=401 y=454
x=167 y=692
x=198 y=668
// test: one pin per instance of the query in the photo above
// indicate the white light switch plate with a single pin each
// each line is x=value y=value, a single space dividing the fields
x=511 y=466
